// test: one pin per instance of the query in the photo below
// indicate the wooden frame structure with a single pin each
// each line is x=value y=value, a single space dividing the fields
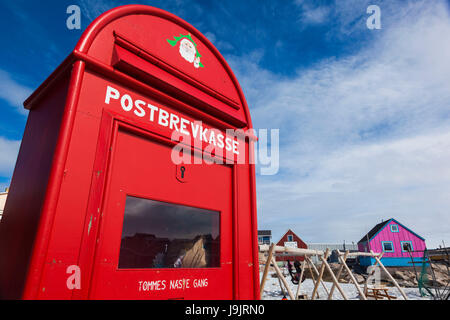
x=318 y=280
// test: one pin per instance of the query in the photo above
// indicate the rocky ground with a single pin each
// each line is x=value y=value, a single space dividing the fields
x=272 y=291
x=405 y=277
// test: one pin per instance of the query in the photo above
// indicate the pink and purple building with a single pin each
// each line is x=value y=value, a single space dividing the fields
x=399 y=244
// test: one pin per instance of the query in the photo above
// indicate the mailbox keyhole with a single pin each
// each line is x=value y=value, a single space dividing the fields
x=183 y=169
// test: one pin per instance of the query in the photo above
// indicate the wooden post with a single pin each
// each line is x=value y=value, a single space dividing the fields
x=266 y=269
x=390 y=276
x=322 y=269
x=300 y=279
x=344 y=264
x=368 y=277
x=330 y=296
x=334 y=278
x=311 y=272
x=292 y=251
x=317 y=273
x=281 y=287
x=280 y=275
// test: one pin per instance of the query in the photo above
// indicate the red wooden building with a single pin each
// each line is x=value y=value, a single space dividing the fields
x=290 y=239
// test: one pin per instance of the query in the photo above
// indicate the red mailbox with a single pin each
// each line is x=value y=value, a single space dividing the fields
x=100 y=205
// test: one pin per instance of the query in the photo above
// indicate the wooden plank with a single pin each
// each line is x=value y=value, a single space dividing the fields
x=368 y=278
x=280 y=275
x=311 y=272
x=319 y=279
x=266 y=270
x=300 y=279
x=330 y=296
x=344 y=264
x=390 y=276
x=334 y=278
x=380 y=293
x=281 y=287
x=291 y=251
x=362 y=254
x=317 y=273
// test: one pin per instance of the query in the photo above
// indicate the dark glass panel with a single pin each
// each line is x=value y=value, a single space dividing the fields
x=163 y=235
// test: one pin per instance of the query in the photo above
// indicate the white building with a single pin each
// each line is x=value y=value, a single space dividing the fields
x=264 y=237
x=3 y=196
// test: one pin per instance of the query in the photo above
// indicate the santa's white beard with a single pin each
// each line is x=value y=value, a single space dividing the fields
x=186 y=51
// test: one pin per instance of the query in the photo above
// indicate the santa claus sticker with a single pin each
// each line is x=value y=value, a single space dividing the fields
x=188 y=49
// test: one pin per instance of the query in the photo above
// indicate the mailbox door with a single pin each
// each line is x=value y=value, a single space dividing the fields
x=164 y=234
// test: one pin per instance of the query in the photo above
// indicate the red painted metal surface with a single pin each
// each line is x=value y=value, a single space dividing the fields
x=90 y=142
x=19 y=224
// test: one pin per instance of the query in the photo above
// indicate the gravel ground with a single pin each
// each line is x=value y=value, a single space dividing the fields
x=272 y=290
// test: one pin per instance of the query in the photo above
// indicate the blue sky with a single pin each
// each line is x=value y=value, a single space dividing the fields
x=363 y=114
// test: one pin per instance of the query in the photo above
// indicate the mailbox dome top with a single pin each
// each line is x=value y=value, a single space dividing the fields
x=127 y=34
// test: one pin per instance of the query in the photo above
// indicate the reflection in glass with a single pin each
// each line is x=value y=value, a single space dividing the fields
x=163 y=235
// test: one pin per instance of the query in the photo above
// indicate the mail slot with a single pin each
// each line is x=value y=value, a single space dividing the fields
x=134 y=178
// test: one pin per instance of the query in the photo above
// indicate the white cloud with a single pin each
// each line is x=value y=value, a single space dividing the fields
x=93 y=9
x=13 y=92
x=315 y=16
x=311 y=14
x=220 y=44
x=365 y=137
x=211 y=36
x=406 y=178
x=9 y=150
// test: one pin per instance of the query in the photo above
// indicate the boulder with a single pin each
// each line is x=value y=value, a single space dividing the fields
x=400 y=275
x=441 y=282
x=359 y=278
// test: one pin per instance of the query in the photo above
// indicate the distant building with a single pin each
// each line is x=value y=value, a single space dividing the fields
x=264 y=237
x=333 y=246
x=398 y=243
x=352 y=247
x=3 y=196
x=290 y=239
